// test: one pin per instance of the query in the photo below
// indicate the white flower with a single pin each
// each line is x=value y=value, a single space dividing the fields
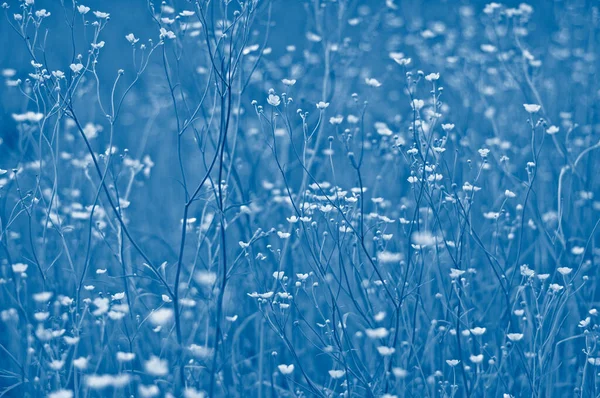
x=514 y=336
x=286 y=369
x=19 y=268
x=417 y=104
x=432 y=77
x=509 y=194
x=555 y=287
x=564 y=270
x=156 y=366
x=386 y=351
x=322 y=105
x=337 y=374
x=476 y=358
x=594 y=361
x=273 y=100
x=532 y=108
x=61 y=394
x=478 y=331
x=80 y=363
x=167 y=33
x=278 y=275
x=577 y=250
x=400 y=59
x=76 y=68
x=447 y=127
x=456 y=273
x=452 y=362
x=125 y=356
x=584 y=323
x=83 y=9
x=283 y=235
x=399 y=373
x=186 y=13
x=42 y=297
x=372 y=82
x=148 y=391
x=288 y=82
x=131 y=38
x=484 y=152
x=161 y=316
x=101 y=15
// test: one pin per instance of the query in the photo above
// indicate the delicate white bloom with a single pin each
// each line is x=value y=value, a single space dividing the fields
x=452 y=362
x=532 y=108
x=552 y=130
x=288 y=82
x=167 y=33
x=148 y=391
x=456 y=273
x=283 y=235
x=509 y=194
x=514 y=336
x=476 y=358
x=417 y=104
x=156 y=366
x=484 y=152
x=594 y=361
x=131 y=38
x=101 y=15
x=564 y=270
x=447 y=127
x=322 y=105
x=432 y=77
x=231 y=318
x=61 y=394
x=31 y=117
x=99 y=382
x=372 y=82
x=337 y=374
x=80 y=363
x=400 y=59
x=577 y=250
x=187 y=13
x=76 y=68
x=584 y=323
x=399 y=373
x=273 y=100
x=386 y=351
x=19 y=268
x=379 y=333
x=190 y=392
x=286 y=369
x=278 y=275
x=161 y=316
x=477 y=331
x=42 y=297
x=83 y=9
x=125 y=356
x=555 y=287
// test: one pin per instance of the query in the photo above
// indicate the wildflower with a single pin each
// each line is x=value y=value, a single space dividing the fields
x=273 y=100
x=231 y=318
x=80 y=363
x=19 y=268
x=61 y=394
x=399 y=373
x=476 y=358
x=386 y=351
x=594 y=361
x=187 y=13
x=161 y=316
x=101 y=15
x=447 y=127
x=432 y=77
x=417 y=104
x=577 y=250
x=477 y=331
x=148 y=391
x=288 y=82
x=76 y=68
x=484 y=152
x=509 y=194
x=372 y=82
x=456 y=273
x=337 y=374
x=555 y=287
x=379 y=333
x=283 y=235
x=286 y=369
x=156 y=366
x=42 y=297
x=584 y=323
x=167 y=33
x=278 y=275
x=514 y=336
x=83 y=9
x=131 y=38
x=452 y=362
x=400 y=59
x=564 y=270
x=125 y=356
x=532 y=108
x=552 y=130
x=322 y=105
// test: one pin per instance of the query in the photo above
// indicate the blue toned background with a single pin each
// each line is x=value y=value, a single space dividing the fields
x=299 y=198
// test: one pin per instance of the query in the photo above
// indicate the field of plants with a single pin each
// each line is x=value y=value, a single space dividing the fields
x=299 y=198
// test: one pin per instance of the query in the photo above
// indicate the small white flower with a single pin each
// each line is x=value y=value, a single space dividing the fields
x=564 y=270
x=532 y=108
x=514 y=336
x=83 y=9
x=161 y=316
x=417 y=104
x=432 y=77
x=273 y=100
x=101 y=15
x=509 y=194
x=278 y=275
x=288 y=82
x=452 y=362
x=476 y=358
x=456 y=273
x=594 y=361
x=76 y=68
x=322 y=105
x=131 y=38
x=286 y=369
x=552 y=130
x=448 y=127
x=19 y=268
x=187 y=13
x=386 y=351
x=478 y=331
x=584 y=323
x=372 y=82
x=156 y=366
x=555 y=287
x=337 y=374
